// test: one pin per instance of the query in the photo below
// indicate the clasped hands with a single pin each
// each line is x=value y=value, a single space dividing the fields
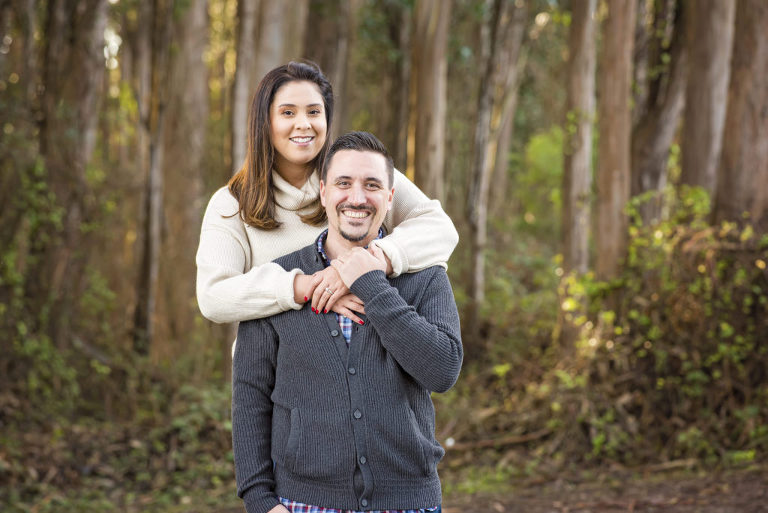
x=328 y=289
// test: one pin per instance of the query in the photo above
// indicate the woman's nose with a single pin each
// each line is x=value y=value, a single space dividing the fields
x=302 y=122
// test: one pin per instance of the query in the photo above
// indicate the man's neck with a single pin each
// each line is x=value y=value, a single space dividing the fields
x=336 y=245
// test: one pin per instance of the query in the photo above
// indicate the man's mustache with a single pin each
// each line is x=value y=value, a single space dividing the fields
x=348 y=206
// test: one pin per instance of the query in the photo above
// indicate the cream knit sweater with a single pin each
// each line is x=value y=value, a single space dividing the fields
x=236 y=279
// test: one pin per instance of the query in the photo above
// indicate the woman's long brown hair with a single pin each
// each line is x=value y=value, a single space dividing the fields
x=252 y=184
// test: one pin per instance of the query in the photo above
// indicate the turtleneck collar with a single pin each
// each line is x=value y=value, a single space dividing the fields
x=291 y=198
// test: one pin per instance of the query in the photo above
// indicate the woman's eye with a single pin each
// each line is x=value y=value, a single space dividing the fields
x=287 y=113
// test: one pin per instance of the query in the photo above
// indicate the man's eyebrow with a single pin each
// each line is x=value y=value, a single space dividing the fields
x=367 y=179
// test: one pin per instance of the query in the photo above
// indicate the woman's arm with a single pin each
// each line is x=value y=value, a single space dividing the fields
x=229 y=287
x=421 y=233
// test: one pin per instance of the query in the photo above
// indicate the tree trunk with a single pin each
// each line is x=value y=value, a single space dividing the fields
x=577 y=149
x=281 y=34
x=248 y=12
x=72 y=78
x=187 y=114
x=429 y=82
x=656 y=126
x=710 y=36
x=501 y=37
x=400 y=149
x=154 y=126
x=580 y=108
x=328 y=46
x=613 y=170
x=512 y=59
x=743 y=183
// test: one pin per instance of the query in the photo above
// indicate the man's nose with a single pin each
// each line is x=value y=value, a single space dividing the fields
x=357 y=195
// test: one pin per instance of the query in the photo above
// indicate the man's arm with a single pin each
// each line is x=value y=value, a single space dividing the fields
x=426 y=339
x=253 y=378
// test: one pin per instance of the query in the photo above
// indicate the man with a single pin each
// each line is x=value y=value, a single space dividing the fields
x=330 y=414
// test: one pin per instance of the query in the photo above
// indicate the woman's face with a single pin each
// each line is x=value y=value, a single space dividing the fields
x=298 y=125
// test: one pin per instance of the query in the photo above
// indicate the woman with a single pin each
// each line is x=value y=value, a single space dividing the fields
x=271 y=207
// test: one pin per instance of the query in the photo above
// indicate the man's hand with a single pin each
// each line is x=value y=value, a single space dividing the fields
x=359 y=261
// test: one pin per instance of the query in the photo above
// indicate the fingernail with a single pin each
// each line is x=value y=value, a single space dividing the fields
x=305 y=298
x=325 y=311
x=361 y=322
x=313 y=309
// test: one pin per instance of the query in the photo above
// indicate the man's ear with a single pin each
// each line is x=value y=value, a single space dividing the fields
x=322 y=193
x=389 y=200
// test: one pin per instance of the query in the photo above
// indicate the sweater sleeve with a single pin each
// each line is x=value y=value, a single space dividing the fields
x=424 y=339
x=421 y=233
x=253 y=379
x=229 y=288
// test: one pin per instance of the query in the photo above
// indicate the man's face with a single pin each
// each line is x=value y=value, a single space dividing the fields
x=356 y=195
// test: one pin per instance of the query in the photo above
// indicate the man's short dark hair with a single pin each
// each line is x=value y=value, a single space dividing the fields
x=359 y=141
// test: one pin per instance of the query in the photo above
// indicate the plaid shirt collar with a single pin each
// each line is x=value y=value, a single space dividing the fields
x=321 y=244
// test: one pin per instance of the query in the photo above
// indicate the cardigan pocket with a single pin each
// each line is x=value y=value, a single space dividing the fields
x=286 y=434
x=427 y=453
x=292 y=447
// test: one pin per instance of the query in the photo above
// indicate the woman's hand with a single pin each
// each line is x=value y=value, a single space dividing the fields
x=327 y=289
x=341 y=301
x=348 y=305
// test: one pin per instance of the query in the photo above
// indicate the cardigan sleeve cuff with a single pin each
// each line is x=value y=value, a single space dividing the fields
x=369 y=284
x=257 y=503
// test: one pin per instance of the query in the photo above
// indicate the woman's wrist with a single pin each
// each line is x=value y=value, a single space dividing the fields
x=301 y=284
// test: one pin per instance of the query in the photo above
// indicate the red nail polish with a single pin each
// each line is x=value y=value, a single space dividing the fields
x=361 y=322
x=325 y=311
x=313 y=309
x=305 y=298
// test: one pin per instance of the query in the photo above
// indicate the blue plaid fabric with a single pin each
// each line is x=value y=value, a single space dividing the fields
x=298 y=507
x=344 y=322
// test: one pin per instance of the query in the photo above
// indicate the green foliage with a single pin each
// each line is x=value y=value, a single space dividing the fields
x=688 y=341
x=539 y=184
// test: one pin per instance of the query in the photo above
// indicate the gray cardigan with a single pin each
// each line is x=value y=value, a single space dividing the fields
x=347 y=427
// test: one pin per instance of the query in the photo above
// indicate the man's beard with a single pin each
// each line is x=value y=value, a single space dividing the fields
x=348 y=236
x=352 y=238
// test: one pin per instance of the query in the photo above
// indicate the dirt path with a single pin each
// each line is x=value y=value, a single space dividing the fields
x=744 y=491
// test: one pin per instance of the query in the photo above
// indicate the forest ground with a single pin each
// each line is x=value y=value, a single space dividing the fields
x=735 y=491
x=649 y=490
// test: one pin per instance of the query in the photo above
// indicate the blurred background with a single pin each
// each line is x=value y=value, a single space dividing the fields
x=605 y=162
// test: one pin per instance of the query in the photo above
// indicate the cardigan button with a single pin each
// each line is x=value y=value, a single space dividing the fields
x=352 y=370
x=364 y=503
x=363 y=460
x=358 y=414
x=334 y=333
